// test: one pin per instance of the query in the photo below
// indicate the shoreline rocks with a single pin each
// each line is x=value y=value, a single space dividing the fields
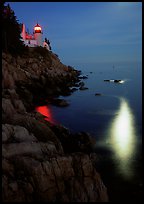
x=59 y=102
x=42 y=161
x=82 y=86
x=98 y=94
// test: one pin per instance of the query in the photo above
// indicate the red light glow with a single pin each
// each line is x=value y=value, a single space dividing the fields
x=45 y=110
x=29 y=37
x=37 y=28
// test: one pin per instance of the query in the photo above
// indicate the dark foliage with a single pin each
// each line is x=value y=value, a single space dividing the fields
x=48 y=42
x=11 y=39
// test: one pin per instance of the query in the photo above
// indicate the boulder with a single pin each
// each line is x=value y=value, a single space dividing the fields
x=83 y=88
x=19 y=106
x=83 y=77
x=7 y=132
x=59 y=102
x=113 y=80
x=117 y=80
x=40 y=130
x=98 y=94
x=8 y=109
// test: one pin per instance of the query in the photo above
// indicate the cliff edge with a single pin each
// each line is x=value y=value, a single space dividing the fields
x=42 y=161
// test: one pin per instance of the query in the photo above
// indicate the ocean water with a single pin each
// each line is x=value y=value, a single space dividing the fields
x=114 y=119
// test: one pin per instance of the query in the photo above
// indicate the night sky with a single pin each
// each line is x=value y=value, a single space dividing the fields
x=87 y=32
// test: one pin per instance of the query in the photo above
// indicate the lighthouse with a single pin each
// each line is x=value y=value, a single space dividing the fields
x=35 y=39
x=38 y=34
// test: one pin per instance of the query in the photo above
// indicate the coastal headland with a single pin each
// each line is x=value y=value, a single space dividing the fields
x=42 y=161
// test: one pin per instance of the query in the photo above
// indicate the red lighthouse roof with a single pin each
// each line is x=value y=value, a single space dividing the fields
x=37 y=28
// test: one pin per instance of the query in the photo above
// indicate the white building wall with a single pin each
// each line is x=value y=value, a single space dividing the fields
x=31 y=43
x=38 y=37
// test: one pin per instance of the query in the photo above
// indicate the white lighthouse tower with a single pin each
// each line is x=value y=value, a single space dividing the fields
x=38 y=34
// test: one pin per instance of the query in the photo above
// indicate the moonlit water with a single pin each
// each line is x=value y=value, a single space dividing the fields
x=114 y=118
x=122 y=138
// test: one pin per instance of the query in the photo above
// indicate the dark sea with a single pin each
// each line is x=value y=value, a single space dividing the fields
x=115 y=119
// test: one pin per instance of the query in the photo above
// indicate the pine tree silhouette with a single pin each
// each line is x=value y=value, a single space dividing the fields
x=48 y=42
x=11 y=38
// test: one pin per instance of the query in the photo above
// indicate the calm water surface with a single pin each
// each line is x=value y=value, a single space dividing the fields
x=114 y=119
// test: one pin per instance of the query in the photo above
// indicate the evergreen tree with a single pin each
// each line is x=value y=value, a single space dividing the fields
x=11 y=39
x=48 y=42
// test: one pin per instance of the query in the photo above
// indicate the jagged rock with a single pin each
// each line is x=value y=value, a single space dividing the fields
x=41 y=131
x=74 y=89
x=71 y=178
x=81 y=84
x=83 y=88
x=12 y=191
x=60 y=102
x=7 y=132
x=83 y=77
x=7 y=167
x=18 y=104
x=98 y=94
x=21 y=134
x=43 y=80
x=7 y=80
x=117 y=80
x=34 y=165
x=78 y=142
x=8 y=110
x=20 y=149
x=13 y=94
x=34 y=66
x=114 y=80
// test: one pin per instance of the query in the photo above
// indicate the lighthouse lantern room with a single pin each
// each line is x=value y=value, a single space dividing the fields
x=37 y=28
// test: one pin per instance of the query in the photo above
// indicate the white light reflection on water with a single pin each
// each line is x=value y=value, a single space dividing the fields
x=123 y=138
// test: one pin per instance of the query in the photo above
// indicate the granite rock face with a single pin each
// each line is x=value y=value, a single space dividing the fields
x=36 y=163
x=36 y=171
x=37 y=76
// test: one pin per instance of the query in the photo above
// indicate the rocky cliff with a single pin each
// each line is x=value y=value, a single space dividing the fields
x=42 y=161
